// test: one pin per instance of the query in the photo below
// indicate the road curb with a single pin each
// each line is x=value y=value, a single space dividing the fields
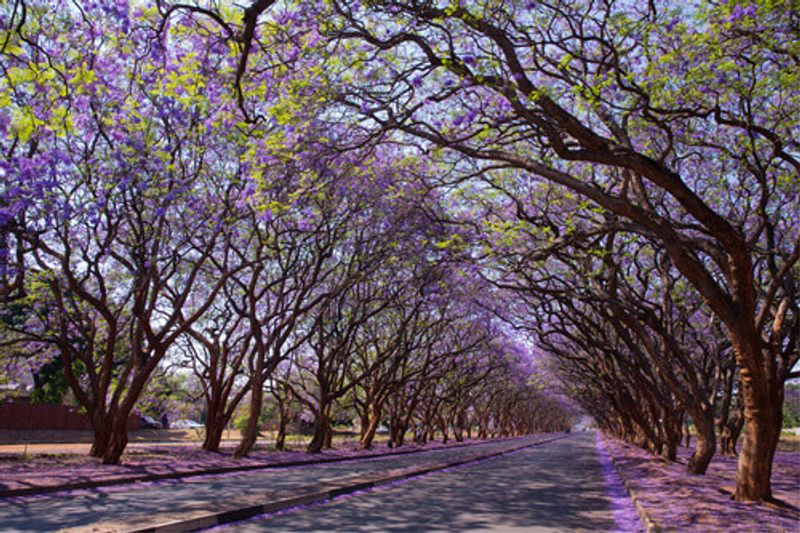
x=650 y=525
x=286 y=499
x=80 y=485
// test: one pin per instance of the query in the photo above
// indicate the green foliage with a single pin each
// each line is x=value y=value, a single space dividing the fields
x=166 y=394
x=50 y=383
x=241 y=421
x=791 y=406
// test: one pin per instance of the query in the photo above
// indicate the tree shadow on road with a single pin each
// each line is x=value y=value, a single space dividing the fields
x=557 y=486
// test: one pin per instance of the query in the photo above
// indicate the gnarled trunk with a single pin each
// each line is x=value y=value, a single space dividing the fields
x=101 y=426
x=372 y=420
x=250 y=433
x=705 y=445
x=762 y=397
x=762 y=416
x=443 y=429
x=280 y=438
x=283 y=420
x=321 y=431
x=116 y=444
x=118 y=438
x=730 y=432
x=397 y=433
x=215 y=426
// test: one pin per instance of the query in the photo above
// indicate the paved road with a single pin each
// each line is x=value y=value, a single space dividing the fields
x=558 y=486
x=78 y=508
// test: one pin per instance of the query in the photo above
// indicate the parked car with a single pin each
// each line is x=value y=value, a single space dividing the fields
x=148 y=422
x=186 y=424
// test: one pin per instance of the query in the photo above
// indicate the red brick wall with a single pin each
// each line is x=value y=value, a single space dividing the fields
x=21 y=415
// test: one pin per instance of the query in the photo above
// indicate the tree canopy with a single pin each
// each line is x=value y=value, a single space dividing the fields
x=441 y=215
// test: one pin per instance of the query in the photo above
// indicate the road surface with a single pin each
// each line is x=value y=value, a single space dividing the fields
x=558 y=486
x=84 y=507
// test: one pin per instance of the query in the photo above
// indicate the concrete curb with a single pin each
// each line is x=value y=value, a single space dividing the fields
x=649 y=524
x=192 y=520
x=79 y=485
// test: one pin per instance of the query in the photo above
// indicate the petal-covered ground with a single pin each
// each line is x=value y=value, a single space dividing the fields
x=625 y=515
x=678 y=501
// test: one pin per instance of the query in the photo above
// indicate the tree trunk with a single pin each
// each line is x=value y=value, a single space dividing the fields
x=401 y=436
x=687 y=434
x=458 y=426
x=280 y=438
x=118 y=439
x=736 y=432
x=672 y=437
x=250 y=434
x=363 y=423
x=705 y=445
x=101 y=424
x=397 y=434
x=283 y=419
x=731 y=430
x=762 y=396
x=762 y=415
x=443 y=429
x=482 y=433
x=215 y=426
x=321 y=424
x=372 y=420
x=420 y=435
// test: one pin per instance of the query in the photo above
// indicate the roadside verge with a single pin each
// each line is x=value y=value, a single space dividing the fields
x=649 y=524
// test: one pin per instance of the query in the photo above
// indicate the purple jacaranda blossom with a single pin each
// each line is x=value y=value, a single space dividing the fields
x=739 y=12
x=266 y=216
x=6 y=216
x=672 y=24
x=5 y=120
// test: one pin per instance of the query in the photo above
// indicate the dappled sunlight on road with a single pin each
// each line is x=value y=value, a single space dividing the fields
x=557 y=486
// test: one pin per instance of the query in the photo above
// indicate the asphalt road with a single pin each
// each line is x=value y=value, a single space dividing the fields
x=558 y=486
x=85 y=507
